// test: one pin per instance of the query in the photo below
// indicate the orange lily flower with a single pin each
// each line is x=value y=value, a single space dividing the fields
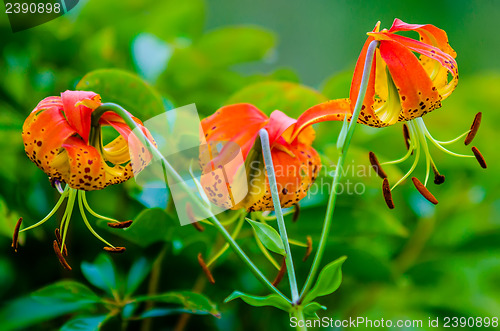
x=61 y=139
x=57 y=138
x=403 y=87
x=296 y=162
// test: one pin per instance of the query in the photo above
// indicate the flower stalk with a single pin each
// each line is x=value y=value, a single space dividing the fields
x=271 y=176
x=338 y=170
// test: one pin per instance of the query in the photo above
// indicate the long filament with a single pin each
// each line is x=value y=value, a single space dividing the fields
x=92 y=212
x=421 y=124
x=52 y=212
x=82 y=211
x=67 y=215
x=417 y=156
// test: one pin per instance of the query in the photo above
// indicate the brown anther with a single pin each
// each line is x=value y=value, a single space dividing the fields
x=406 y=135
x=114 y=249
x=57 y=250
x=386 y=190
x=438 y=179
x=15 y=235
x=479 y=157
x=296 y=213
x=280 y=274
x=198 y=226
x=424 y=191
x=120 y=225
x=206 y=271
x=376 y=165
x=473 y=129
x=308 y=249
x=59 y=241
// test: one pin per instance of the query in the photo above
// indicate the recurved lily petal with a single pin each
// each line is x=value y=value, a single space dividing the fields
x=77 y=113
x=402 y=85
x=296 y=162
x=43 y=131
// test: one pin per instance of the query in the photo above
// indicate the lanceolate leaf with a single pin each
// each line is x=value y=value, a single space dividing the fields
x=85 y=323
x=138 y=272
x=258 y=301
x=190 y=302
x=268 y=236
x=329 y=280
x=101 y=273
x=49 y=302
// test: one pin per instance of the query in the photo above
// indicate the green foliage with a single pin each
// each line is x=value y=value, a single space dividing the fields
x=258 y=301
x=269 y=237
x=414 y=262
x=93 y=310
x=329 y=280
x=125 y=89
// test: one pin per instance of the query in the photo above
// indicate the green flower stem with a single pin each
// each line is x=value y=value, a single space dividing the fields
x=338 y=170
x=271 y=176
x=171 y=171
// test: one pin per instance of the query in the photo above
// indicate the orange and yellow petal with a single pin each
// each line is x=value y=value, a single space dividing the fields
x=44 y=131
x=239 y=123
x=294 y=177
x=78 y=115
x=86 y=167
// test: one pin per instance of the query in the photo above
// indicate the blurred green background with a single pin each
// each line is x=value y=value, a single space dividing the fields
x=414 y=262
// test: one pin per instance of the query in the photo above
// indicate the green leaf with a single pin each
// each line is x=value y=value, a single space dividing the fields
x=67 y=292
x=269 y=237
x=273 y=300
x=85 y=323
x=49 y=302
x=101 y=273
x=310 y=309
x=329 y=280
x=291 y=98
x=138 y=272
x=125 y=89
x=150 y=226
x=191 y=302
x=236 y=44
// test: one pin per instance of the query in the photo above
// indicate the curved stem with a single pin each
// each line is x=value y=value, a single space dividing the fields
x=271 y=177
x=171 y=172
x=338 y=170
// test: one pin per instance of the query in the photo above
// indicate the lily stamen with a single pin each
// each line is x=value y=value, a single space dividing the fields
x=15 y=236
x=50 y=214
x=424 y=191
x=473 y=129
x=479 y=157
x=120 y=225
x=63 y=261
x=386 y=190
x=93 y=213
x=406 y=135
x=58 y=238
x=376 y=165
x=85 y=220
x=205 y=269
